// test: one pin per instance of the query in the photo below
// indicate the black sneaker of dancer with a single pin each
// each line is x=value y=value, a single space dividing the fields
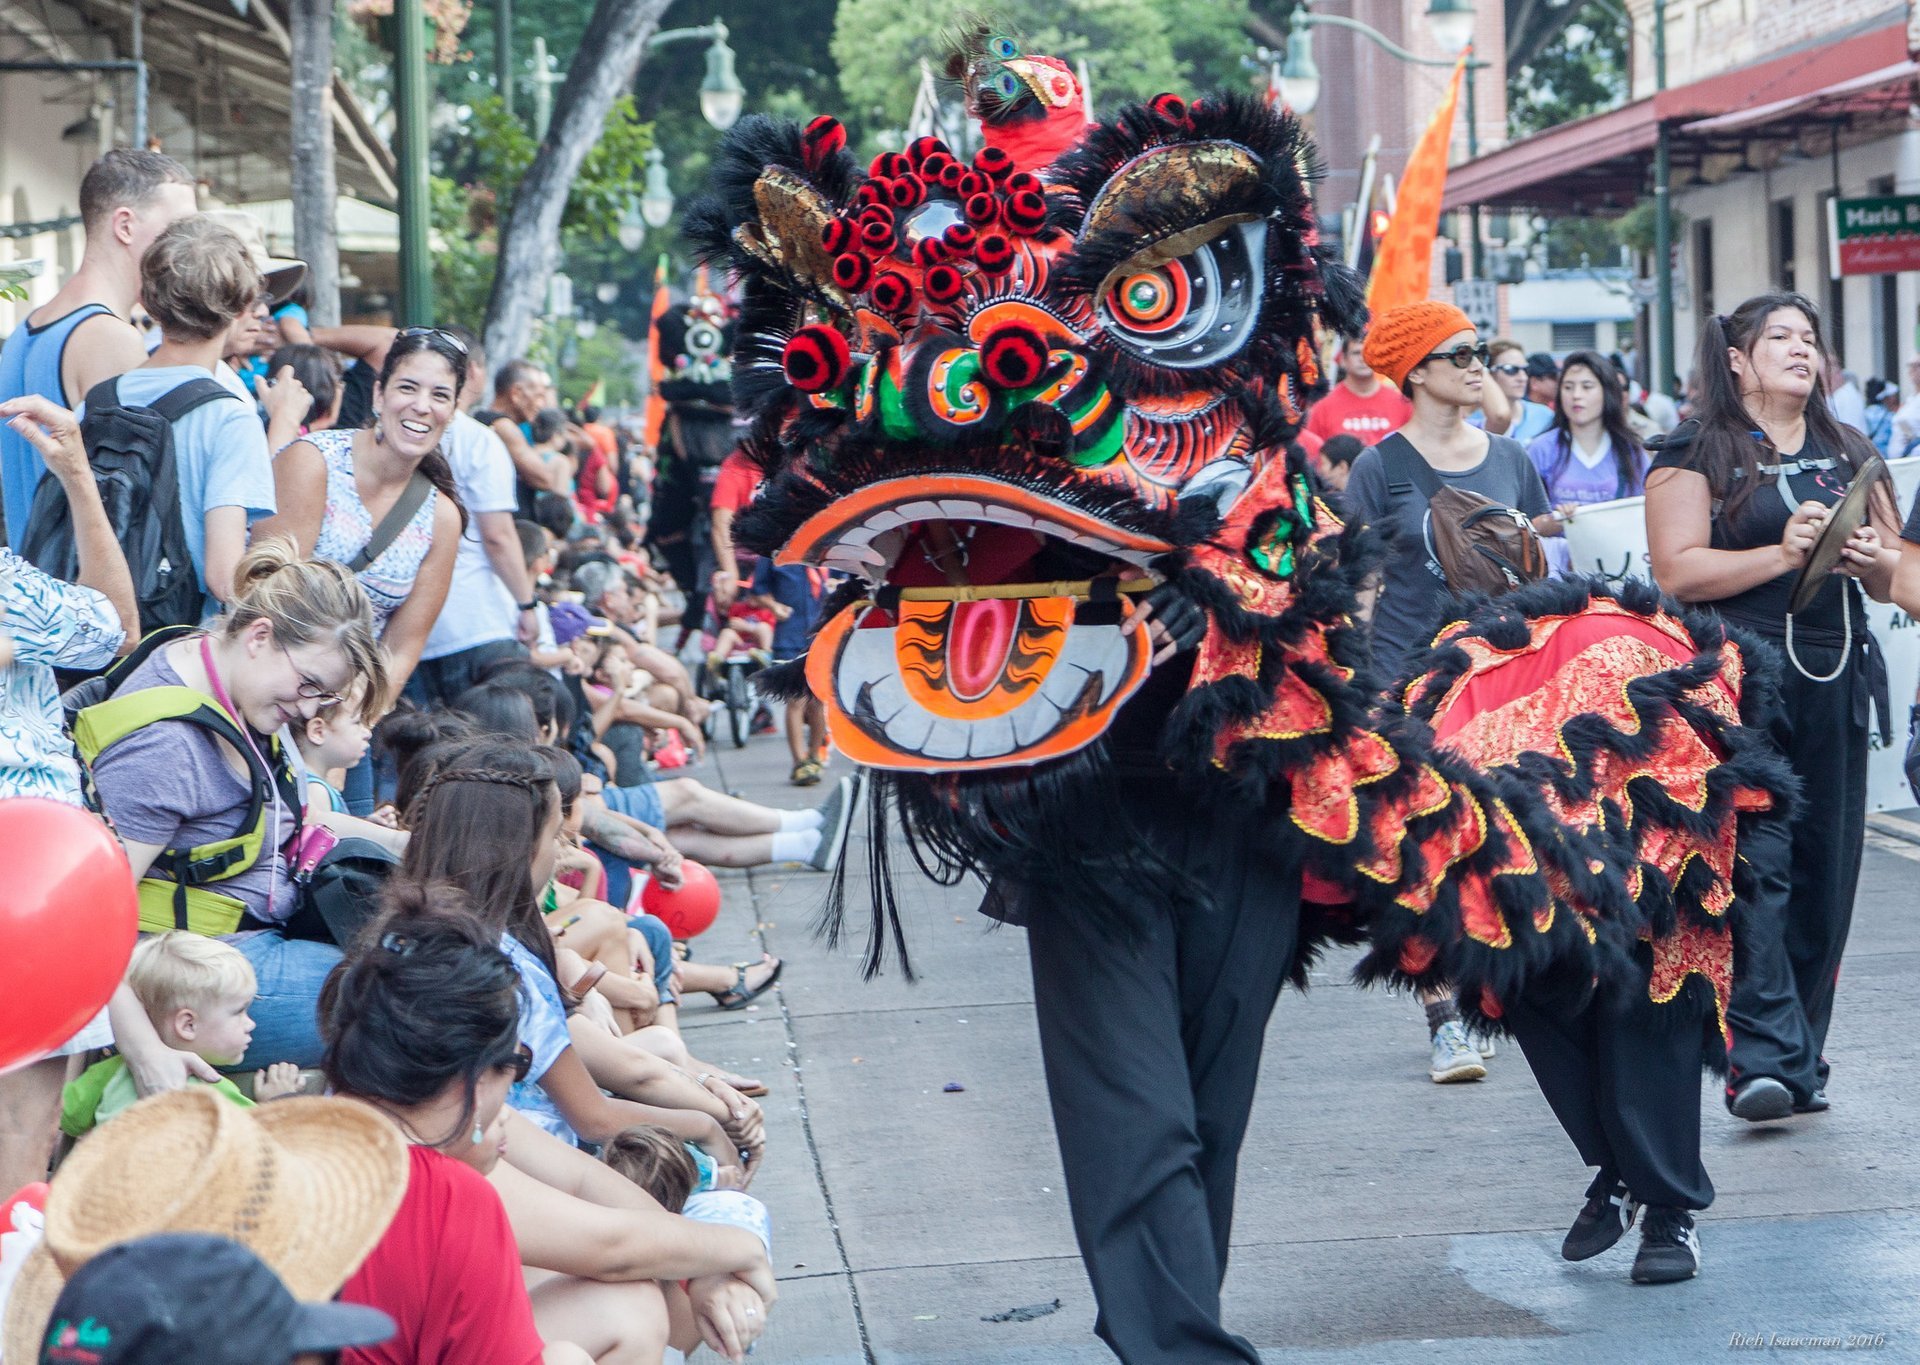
x=1604 y=1220
x=1761 y=1099
x=1816 y=1103
x=1669 y=1247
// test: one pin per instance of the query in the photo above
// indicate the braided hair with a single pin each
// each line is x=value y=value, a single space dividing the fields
x=475 y=821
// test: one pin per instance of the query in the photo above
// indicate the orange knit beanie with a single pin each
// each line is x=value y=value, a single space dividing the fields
x=1402 y=337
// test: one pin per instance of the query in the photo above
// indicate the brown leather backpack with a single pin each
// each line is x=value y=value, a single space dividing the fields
x=1474 y=543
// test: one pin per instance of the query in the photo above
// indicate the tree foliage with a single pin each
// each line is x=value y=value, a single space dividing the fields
x=1134 y=48
x=1583 y=71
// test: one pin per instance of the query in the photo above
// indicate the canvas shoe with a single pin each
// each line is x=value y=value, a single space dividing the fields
x=1604 y=1220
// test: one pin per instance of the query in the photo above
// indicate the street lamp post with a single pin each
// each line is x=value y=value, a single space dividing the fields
x=1450 y=22
x=721 y=94
x=1662 y=228
x=410 y=128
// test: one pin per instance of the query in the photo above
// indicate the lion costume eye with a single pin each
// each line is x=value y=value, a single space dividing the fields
x=1189 y=310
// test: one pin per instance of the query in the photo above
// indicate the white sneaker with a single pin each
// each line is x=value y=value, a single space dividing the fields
x=1454 y=1058
x=1485 y=1045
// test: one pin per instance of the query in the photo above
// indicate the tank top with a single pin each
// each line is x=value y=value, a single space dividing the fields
x=346 y=527
x=30 y=363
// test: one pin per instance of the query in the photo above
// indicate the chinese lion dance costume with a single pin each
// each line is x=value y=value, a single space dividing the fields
x=1026 y=400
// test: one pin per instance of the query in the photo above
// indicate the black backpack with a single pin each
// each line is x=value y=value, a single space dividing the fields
x=341 y=895
x=131 y=450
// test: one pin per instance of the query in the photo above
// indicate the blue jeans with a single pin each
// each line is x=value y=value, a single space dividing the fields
x=285 y=1013
x=640 y=803
x=660 y=946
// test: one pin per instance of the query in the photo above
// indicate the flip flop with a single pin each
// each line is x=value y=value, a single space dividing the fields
x=741 y=994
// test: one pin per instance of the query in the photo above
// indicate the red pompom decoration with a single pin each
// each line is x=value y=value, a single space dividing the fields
x=1170 y=107
x=943 y=283
x=923 y=147
x=823 y=138
x=951 y=174
x=836 y=236
x=851 y=272
x=1020 y=182
x=890 y=292
x=960 y=239
x=817 y=359
x=935 y=164
x=876 y=234
x=889 y=164
x=1026 y=212
x=972 y=183
x=993 y=161
x=871 y=192
x=929 y=251
x=1013 y=356
x=906 y=191
x=981 y=209
x=993 y=253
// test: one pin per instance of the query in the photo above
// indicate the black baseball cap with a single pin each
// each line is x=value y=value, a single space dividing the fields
x=187 y=1296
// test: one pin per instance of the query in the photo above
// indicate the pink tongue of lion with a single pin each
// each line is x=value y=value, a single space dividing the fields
x=978 y=642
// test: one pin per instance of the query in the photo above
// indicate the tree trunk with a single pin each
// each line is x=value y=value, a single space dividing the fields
x=610 y=53
x=316 y=194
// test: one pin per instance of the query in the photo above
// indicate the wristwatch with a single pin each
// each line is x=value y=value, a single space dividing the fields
x=526 y=606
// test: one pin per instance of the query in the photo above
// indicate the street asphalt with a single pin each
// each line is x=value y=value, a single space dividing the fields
x=1381 y=1218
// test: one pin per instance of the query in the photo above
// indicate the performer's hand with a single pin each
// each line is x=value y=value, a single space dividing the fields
x=1862 y=553
x=1803 y=528
x=1174 y=622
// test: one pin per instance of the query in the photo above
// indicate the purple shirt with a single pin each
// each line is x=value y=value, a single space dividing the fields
x=1575 y=483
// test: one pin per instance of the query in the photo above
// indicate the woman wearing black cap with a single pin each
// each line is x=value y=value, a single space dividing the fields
x=1736 y=499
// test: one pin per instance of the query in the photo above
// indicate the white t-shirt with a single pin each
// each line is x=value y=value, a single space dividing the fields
x=479 y=608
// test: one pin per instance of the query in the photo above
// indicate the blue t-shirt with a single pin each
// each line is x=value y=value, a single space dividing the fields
x=1530 y=419
x=219 y=449
x=543 y=1028
x=795 y=586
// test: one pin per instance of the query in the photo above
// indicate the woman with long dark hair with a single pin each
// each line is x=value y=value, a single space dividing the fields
x=1590 y=454
x=337 y=488
x=1737 y=497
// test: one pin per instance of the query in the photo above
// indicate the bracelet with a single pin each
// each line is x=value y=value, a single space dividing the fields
x=526 y=606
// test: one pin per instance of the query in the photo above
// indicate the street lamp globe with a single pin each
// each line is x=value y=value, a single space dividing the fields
x=1299 y=77
x=1451 y=24
x=656 y=201
x=721 y=93
x=632 y=229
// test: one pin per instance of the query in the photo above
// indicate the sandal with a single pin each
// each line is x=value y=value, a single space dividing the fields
x=806 y=773
x=741 y=994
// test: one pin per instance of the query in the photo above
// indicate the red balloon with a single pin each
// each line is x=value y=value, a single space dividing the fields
x=692 y=909
x=68 y=918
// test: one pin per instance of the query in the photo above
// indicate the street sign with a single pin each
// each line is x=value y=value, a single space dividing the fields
x=1876 y=236
x=1480 y=301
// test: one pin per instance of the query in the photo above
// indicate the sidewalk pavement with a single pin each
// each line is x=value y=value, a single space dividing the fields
x=1380 y=1216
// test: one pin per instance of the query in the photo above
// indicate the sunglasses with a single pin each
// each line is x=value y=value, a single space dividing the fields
x=445 y=336
x=1463 y=355
x=522 y=1062
x=1509 y=369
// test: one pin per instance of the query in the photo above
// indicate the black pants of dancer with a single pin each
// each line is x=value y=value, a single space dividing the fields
x=1627 y=1091
x=1152 y=1051
x=1788 y=961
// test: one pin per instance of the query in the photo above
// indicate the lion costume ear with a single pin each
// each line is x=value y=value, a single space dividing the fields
x=776 y=189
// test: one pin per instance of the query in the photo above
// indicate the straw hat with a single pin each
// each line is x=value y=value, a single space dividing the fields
x=307 y=1184
x=280 y=274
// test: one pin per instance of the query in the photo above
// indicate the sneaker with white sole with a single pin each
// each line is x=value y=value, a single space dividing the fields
x=1669 y=1247
x=1484 y=1043
x=1454 y=1058
x=1604 y=1220
x=836 y=821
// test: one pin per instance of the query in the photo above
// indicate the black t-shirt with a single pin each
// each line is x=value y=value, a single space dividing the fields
x=1761 y=522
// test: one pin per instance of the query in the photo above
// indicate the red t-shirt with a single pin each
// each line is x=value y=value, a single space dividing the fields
x=448 y=1272
x=1344 y=413
x=735 y=483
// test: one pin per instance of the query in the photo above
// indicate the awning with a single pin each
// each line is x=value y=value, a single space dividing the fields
x=1883 y=91
x=1600 y=163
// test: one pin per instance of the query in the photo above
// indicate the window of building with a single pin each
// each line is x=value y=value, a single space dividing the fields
x=1576 y=336
x=1783 y=245
x=1703 y=269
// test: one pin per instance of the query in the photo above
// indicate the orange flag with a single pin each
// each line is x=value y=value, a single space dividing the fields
x=656 y=410
x=1403 y=260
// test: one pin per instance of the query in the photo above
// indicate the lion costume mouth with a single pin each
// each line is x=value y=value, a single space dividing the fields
x=963 y=656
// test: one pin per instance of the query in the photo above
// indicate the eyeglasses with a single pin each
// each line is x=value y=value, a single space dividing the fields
x=1463 y=355
x=309 y=689
x=444 y=335
x=1509 y=369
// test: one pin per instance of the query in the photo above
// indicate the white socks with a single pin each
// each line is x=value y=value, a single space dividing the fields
x=796 y=845
x=792 y=820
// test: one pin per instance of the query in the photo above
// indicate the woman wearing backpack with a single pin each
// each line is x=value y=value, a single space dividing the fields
x=1590 y=454
x=192 y=762
x=1432 y=354
x=381 y=499
x=1737 y=497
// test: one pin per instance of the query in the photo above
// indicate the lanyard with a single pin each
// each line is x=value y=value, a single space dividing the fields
x=246 y=733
